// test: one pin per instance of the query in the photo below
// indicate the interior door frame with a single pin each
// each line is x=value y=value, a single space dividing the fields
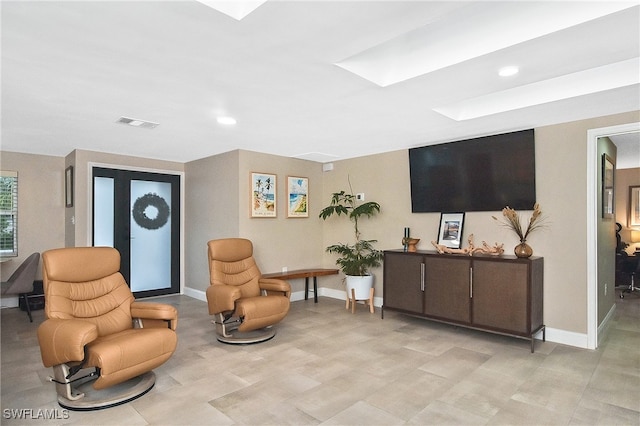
x=91 y=165
x=593 y=212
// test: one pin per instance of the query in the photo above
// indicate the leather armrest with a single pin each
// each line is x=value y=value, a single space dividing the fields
x=155 y=311
x=275 y=285
x=222 y=298
x=63 y=340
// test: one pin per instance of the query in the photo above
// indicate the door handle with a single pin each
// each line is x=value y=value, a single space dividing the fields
x=422 y=277
x=471 y=283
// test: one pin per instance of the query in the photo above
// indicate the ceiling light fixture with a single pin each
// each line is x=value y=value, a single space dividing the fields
x=508 y=71
x=137 y=123
x=227 y=121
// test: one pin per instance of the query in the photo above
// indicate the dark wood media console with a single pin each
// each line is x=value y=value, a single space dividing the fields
x=499 y=294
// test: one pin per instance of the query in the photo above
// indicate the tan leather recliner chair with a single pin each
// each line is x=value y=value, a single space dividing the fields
x=245 y=305
x=93 y=322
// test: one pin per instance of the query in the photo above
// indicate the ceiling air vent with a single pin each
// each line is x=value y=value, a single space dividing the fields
x=137 y=123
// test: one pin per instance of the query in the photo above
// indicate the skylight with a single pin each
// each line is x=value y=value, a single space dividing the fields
x=473 y=34
x=607 y=77
x=237 y=9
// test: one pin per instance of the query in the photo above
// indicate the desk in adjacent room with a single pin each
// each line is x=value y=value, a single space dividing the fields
x=306 y=274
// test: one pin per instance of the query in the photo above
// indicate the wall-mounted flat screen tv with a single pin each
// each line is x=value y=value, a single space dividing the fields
x=481 y=174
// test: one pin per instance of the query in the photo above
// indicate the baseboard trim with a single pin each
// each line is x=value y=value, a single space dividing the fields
x=555 y=335
x=565 y=337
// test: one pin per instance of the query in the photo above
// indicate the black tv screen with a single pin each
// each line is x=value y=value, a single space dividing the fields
x=481 y=174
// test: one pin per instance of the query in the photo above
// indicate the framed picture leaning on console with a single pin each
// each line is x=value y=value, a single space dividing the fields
x=450 y=233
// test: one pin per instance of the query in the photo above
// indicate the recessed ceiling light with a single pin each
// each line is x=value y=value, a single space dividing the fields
x=508 y=71
x=227 y=121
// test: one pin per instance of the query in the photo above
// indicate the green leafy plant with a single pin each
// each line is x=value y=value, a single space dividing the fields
x=358 y=258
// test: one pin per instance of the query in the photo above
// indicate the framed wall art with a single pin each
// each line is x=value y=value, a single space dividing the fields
x=450 y=233
x=634 y=206
x=608 y=172
x=298 y=196
x=263 y=195
x=68 y=187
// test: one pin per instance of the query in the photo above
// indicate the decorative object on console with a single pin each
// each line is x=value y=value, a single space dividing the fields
x=450 y=234
x=513 y=222
x=411 y=244
x=408 y=243
x=496 y=250
x=358 y=258
x=405 y=239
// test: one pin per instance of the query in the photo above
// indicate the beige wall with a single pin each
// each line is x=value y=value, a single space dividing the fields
x=279 y=242
x=40 y=205
x=211 y=205
x=214 y=210
x=624 y=179
x=218 y=207
x=561 y=158
x=606 y=240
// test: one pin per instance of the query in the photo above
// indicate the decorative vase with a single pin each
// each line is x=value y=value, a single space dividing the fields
x=523 y=250
x=412 y=243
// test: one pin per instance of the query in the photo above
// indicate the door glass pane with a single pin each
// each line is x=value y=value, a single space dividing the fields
x=103 y=200
x=150 y=235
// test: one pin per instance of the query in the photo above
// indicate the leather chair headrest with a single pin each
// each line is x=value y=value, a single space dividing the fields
x=230 y=249
x=80 y=264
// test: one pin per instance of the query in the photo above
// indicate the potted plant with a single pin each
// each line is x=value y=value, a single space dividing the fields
x=355 y=260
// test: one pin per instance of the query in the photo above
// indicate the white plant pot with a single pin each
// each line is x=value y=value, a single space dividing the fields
x=362 y=285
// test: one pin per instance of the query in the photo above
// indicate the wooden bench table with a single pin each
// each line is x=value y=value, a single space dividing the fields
x=306 y=274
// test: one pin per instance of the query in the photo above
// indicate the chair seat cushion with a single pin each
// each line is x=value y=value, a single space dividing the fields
x=261 y=311
x=129 y=353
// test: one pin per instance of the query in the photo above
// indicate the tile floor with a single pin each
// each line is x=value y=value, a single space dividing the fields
x=328 y=366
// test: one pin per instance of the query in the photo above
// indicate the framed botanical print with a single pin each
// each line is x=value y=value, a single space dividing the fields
x=298 y=196
x=263 y=195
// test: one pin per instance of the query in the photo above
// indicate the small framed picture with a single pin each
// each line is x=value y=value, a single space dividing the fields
x=263 y=195
x=298 y=196
x=450 y=233
x=68 y=187
x=634 y=206
x=608 y=171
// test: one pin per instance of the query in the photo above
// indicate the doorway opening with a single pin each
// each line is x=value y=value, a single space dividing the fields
x=594 y=328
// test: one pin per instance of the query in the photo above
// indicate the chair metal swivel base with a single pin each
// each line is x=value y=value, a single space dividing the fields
x=79 y=395
x=632 y=287
x=227 y=332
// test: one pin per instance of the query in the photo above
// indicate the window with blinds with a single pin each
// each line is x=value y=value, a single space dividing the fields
x=8 y=213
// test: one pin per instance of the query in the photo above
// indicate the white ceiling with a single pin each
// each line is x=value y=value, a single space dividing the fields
x=70 y=70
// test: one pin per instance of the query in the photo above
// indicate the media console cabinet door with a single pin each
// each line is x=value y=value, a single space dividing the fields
x=402 y=287
x=447 y=292
x=500 y=296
